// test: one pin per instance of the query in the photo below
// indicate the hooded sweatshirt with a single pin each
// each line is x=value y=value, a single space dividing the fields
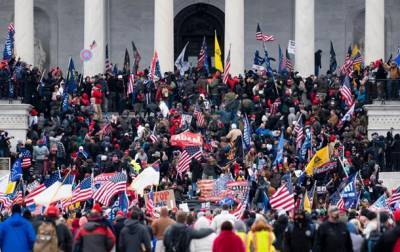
x=134 y=237
x=16 y=234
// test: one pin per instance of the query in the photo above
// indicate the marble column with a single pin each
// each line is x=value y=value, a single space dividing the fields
x=304 y=37
x=164 y=33
x=234 y=35
x=374 y=30
x=95 y=30
x=24 y=30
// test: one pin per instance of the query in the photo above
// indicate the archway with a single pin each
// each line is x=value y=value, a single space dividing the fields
x=192 y=24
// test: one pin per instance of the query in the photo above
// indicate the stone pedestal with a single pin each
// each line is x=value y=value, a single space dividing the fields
x=14 y=120
x=383 y=117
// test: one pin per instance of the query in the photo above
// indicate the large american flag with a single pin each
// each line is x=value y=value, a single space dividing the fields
x=108 y=64
x=40 y=188
x=153 y=66
x=227 y=67
x=275 y=106
x=282 y=199
x=346 y=91
x=188 y=153
x=131 y=82
x=109 y=189
x=347 y=66
x=5 y=200
x=340 y=204
x=83 y=191
x=299 y=130
x=26 y=159
x=238 y=212
x=288 y=62
x=395 y=197
x=11 y=27
x=150 y=209
x=201 y=122
x=263 y=37
x=202 y=55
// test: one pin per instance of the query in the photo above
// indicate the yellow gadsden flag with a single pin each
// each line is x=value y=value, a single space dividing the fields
x=306 y=203
x=217 y=55
x=321 y=157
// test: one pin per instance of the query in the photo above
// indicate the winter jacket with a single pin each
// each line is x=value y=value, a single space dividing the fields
x=160 y=225
x=333 y=237
x=94 y=236
x=134 y=237
x=203 y=244
x=40 y=152
x=388 y=240
x=228 y=241
x=299 y=237
x=16 y=234
x=178 y=236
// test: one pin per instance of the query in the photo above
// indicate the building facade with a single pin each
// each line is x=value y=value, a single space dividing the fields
x=48 y=32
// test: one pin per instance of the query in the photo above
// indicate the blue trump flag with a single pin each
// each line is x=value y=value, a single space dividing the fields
x=279 y=154
x=349 y=193
x=9 y=45
x=70 y=84
x=16 y=170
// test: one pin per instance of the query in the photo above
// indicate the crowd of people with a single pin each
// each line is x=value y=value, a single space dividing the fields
x=118 y=122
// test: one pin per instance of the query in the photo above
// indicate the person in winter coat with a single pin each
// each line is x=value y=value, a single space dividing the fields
x=159 y=226
x=260 y=238
x=16 y=233
x=390 y=241
x=204 y=244
x=95 y=235
x=178 y=236
x=227 y=240
x=39 y=156
x=299 y=235
x=97 y=97
x=332 y=235
x=134 y=236
x=118 y=226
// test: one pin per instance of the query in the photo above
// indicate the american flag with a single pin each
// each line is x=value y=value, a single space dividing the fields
x=5 y=200
x=340 y=204
x=282 y=199
x=137 y=58
x=346 y=117
x=109 y=189
x=40 y=188
x=275 y=106
x=150 y=209
x=345 y=91
x=299 y=130
x=108 y=62
x=131 y=82
x=227 y=67
x=201 y=122
x=93 y=45
x=153 y=66
x=104 y=177
x=395 y=197
x=186 y=157
x=83 y=191
x=238 y=212
x=202 y=62
x=26 y=159
x=380 y=204
x=347 y=66
x=106 y=129
x=11 y=27
x=263 y=37
x=288 y=62
x=18 y=198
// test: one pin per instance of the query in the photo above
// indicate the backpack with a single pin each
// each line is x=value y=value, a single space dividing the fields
x=46 y=238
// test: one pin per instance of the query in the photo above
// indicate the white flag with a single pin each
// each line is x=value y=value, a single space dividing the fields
x=147 y=177
x=180 y=63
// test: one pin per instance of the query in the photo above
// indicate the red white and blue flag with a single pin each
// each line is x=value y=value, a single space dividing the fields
x=345 y=91
x=227 y=67
x=186 y=157
x=109 y=189
x=263 y=37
